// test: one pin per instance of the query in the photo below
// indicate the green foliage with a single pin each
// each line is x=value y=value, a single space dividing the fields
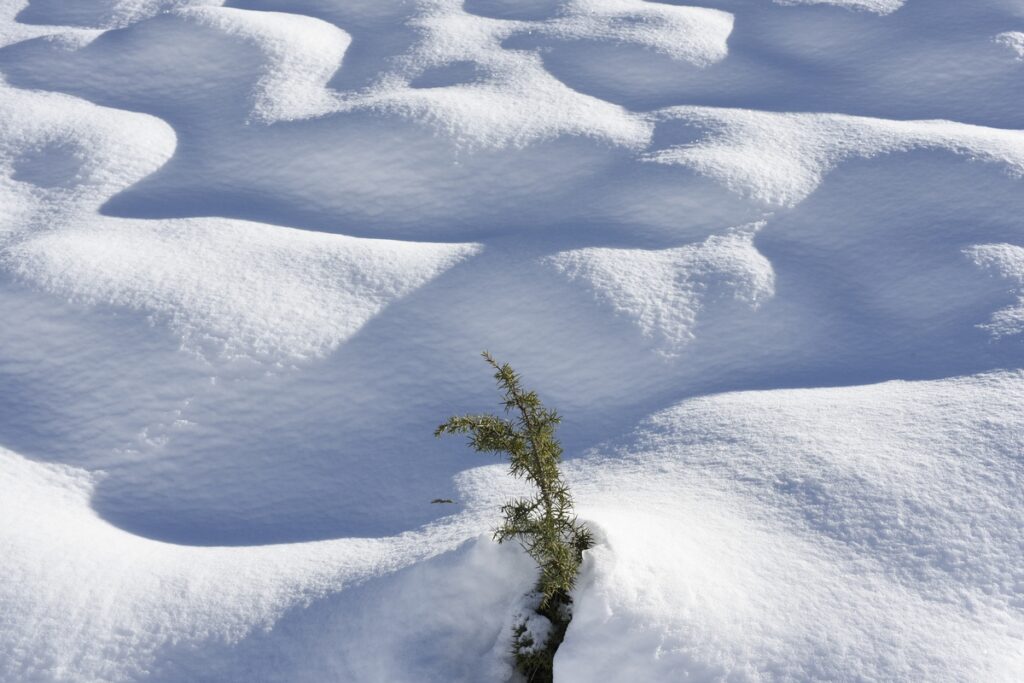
x=544 y=524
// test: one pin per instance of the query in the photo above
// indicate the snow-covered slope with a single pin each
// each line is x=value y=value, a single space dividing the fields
x=764 y=255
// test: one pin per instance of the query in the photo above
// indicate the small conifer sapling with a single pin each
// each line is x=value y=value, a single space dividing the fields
x=544 y=523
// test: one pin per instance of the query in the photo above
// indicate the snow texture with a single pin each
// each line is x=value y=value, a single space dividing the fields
x=1013 y=40
x=764 y=256
x=876 y=6
x=665 y=291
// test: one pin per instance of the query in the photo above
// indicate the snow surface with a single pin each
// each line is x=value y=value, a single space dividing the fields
x=1013 y=40
x=877 y=6
x=764 y=255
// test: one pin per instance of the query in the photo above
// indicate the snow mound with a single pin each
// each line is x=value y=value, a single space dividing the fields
x=808 y=535
x=300 y=55
x=693 y=34
x=12 y=31
x=246 y=287
x=73 y=150
x=780 y=158
x=795 y=534
x=510 y=99
x=145 y=609
x=667 y=292
x=514 y=103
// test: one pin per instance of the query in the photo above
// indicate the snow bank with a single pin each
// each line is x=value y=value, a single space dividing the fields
x=781 y=158
x=835 y=534
x=804 y=534
x=144 y=609
x=251 y=288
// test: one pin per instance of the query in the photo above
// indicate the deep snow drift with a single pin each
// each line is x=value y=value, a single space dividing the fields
x=764 y=255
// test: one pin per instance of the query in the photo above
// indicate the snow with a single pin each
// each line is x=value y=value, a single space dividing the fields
x=1013 y=40
x=664 y=291
x=876 y=6
x=300 y=55
x=764 y=256
x=1005 y=261
x=782 y=158
x=798 y=546
x=255 y=288
x=202 y=607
